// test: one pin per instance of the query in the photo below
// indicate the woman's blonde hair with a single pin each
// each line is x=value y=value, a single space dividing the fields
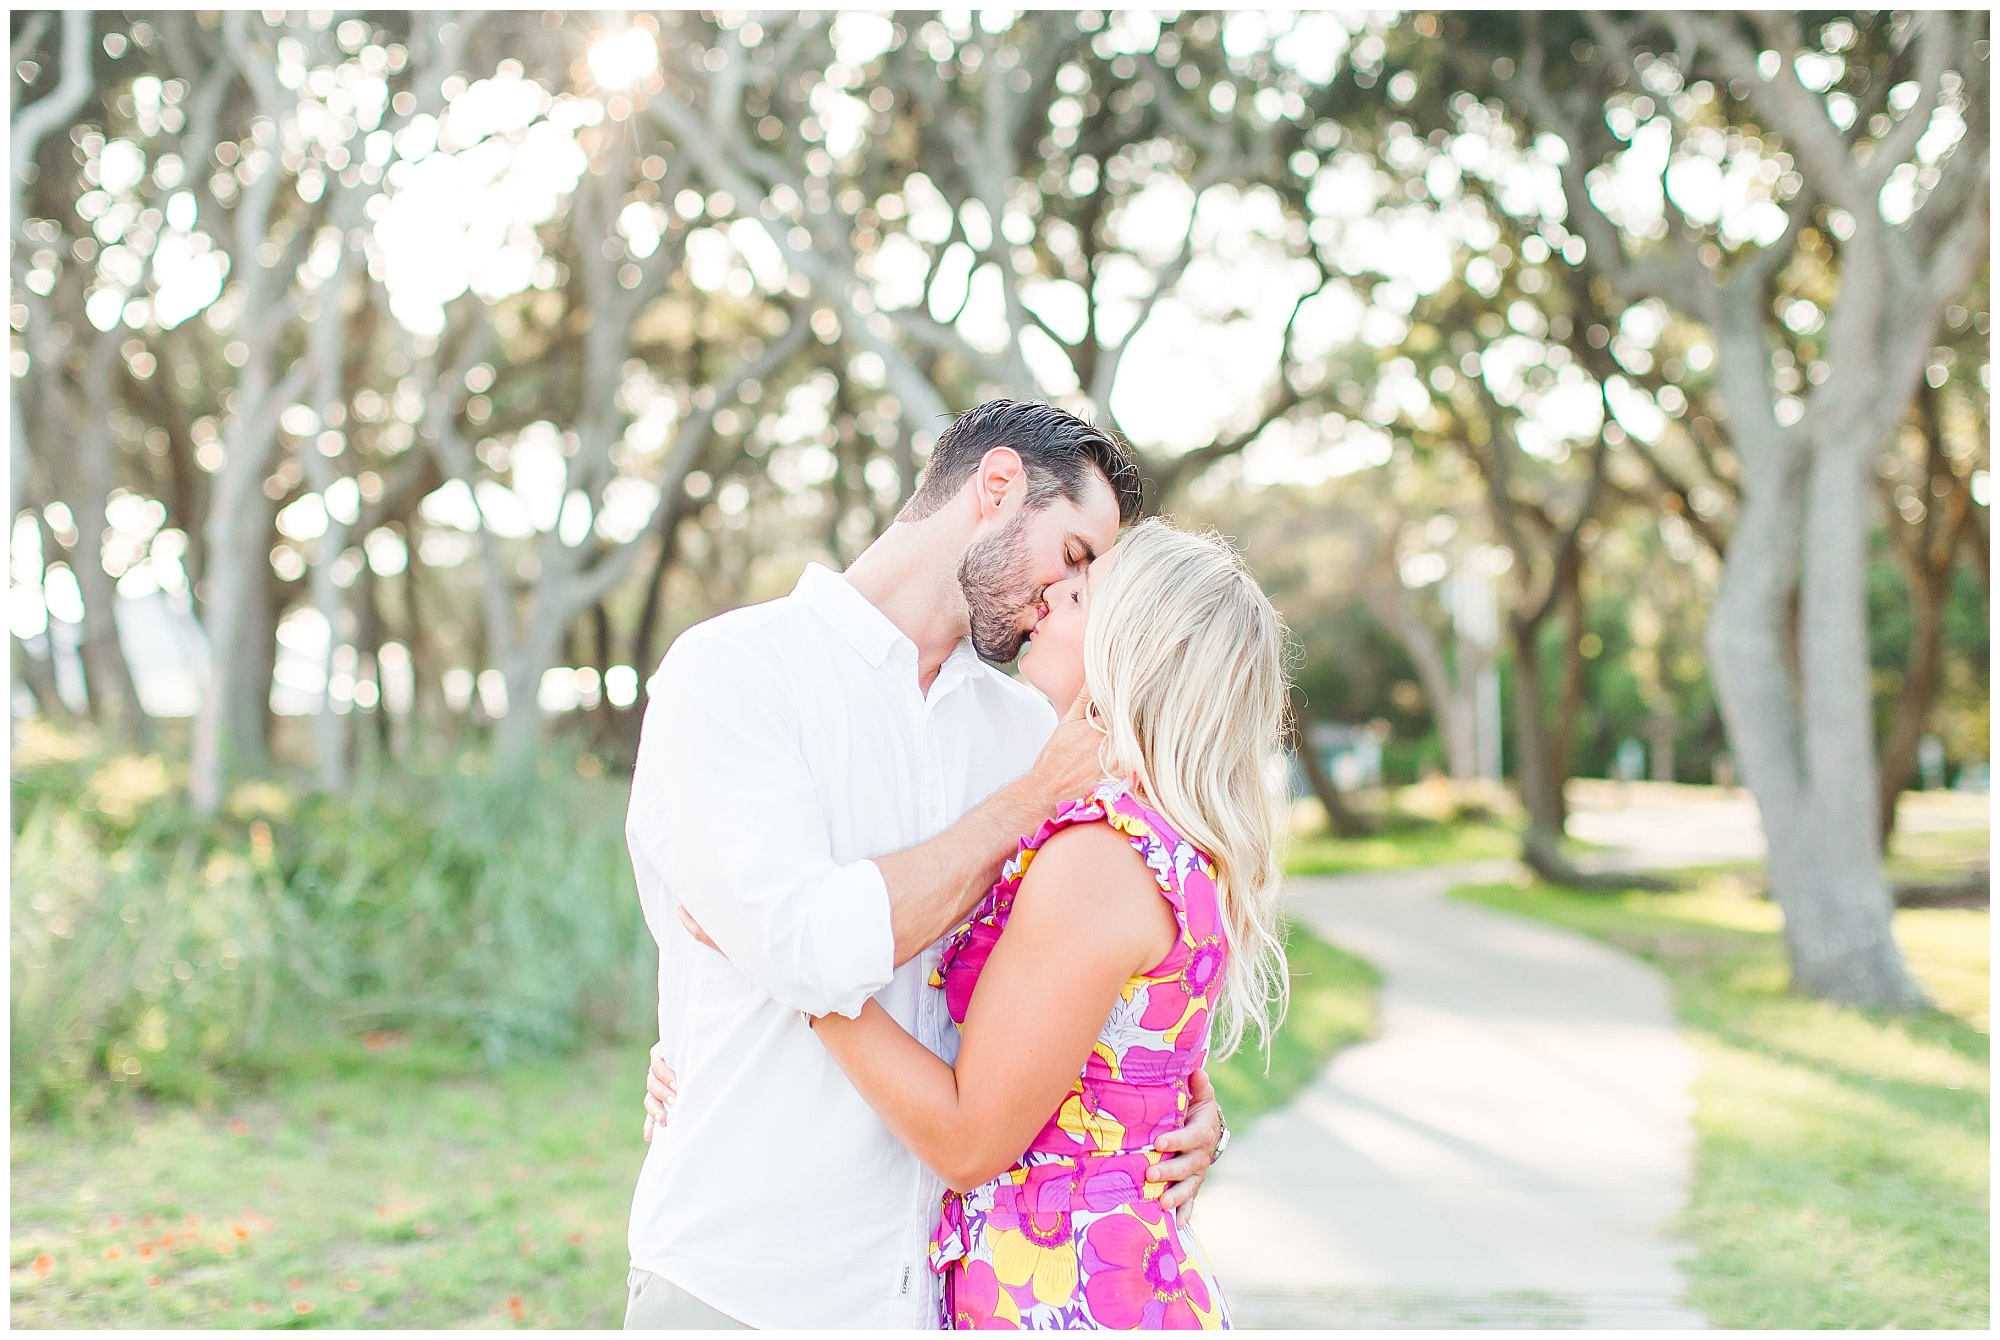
x=1183 y=657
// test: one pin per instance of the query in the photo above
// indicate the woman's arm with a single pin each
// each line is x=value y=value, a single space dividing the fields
x=1087 y=916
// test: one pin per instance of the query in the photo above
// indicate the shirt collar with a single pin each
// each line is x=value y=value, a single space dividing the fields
x=851 y=614
x=867 y=629
x=961 y=665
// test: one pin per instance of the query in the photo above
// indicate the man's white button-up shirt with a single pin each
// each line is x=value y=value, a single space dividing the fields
x=784 y=745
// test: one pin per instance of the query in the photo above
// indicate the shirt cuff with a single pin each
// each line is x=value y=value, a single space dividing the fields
x=855 y=920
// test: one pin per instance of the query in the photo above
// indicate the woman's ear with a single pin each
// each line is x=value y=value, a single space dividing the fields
x=1000 y=474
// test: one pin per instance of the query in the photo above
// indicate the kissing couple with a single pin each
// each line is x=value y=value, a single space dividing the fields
x=905 y=1093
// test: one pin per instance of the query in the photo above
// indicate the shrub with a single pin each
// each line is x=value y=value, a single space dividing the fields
x=156 y=950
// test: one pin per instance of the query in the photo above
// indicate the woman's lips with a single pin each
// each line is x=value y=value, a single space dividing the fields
x=1041 y=612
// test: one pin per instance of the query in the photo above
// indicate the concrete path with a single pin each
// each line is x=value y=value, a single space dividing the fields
x=1651 y=825
x=1508 y=1152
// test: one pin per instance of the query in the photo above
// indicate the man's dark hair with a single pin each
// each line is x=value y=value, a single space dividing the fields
x=1059 y=450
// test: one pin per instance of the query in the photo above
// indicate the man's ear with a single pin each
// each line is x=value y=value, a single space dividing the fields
x=1000 y=475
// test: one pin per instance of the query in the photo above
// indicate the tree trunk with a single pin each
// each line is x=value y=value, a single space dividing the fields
x=1928 y=554
x=114 y=699
x=39 y=674
x=229 y=733
x=1452 y=705
x=517 y=733
x=368 y=642
x=1340 y=815
x=1541 y=791
x=602 y=717
x=1923 y=675
x=1806 y=754
x=329 y=727
x=1561 y=742
x=426 y=670
x=1844 y=947
x=1542 y=748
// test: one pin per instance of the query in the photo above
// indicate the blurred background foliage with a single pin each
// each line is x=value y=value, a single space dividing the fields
x=390 y=389
x=172 y=952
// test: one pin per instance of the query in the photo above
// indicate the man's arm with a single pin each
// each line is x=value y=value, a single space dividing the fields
x=724 y=804
x=933 y=885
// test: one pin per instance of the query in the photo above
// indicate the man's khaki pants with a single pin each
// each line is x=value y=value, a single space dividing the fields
x=655 y=1304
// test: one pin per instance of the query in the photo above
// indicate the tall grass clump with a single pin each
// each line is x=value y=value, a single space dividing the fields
x=155 y=950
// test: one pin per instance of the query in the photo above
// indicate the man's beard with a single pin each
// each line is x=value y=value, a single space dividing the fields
x=994 y=577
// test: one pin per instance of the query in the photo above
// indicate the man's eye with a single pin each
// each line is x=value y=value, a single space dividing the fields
x=1075 y=598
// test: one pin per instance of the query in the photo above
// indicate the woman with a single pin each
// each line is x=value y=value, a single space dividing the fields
x=1136 y=926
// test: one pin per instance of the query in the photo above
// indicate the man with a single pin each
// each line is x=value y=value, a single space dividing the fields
x=826 y=784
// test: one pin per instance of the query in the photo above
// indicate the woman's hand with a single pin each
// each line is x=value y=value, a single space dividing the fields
x=661 y=1087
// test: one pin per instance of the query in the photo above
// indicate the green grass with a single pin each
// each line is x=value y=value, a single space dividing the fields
x=1406 y=843
x=359 y=1062
x=400 y=1189
x=1841 y=1174
x=1937 y=856
x=1333 y=1006
x=413 y=1187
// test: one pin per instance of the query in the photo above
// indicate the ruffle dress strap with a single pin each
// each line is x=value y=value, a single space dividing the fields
x=1166 y=853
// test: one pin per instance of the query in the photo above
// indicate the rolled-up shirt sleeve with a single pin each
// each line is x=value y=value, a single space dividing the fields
x=726 y=811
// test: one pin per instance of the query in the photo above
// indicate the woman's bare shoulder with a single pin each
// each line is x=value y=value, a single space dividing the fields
x=1089 y=877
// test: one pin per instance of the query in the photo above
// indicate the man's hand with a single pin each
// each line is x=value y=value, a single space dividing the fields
x=1069 y=764
x=660 y=1090
x=1195 y=1143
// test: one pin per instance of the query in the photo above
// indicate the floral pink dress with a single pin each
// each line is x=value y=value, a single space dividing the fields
x=1073 y=1236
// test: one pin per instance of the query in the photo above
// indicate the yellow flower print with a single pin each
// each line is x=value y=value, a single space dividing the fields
x=1018 y=1260
x=1095 y=1128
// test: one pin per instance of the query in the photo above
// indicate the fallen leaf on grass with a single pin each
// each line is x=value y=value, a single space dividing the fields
x=238 y=1126
x=515 y=1310
x=302 y=1306
x=44 y=1265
